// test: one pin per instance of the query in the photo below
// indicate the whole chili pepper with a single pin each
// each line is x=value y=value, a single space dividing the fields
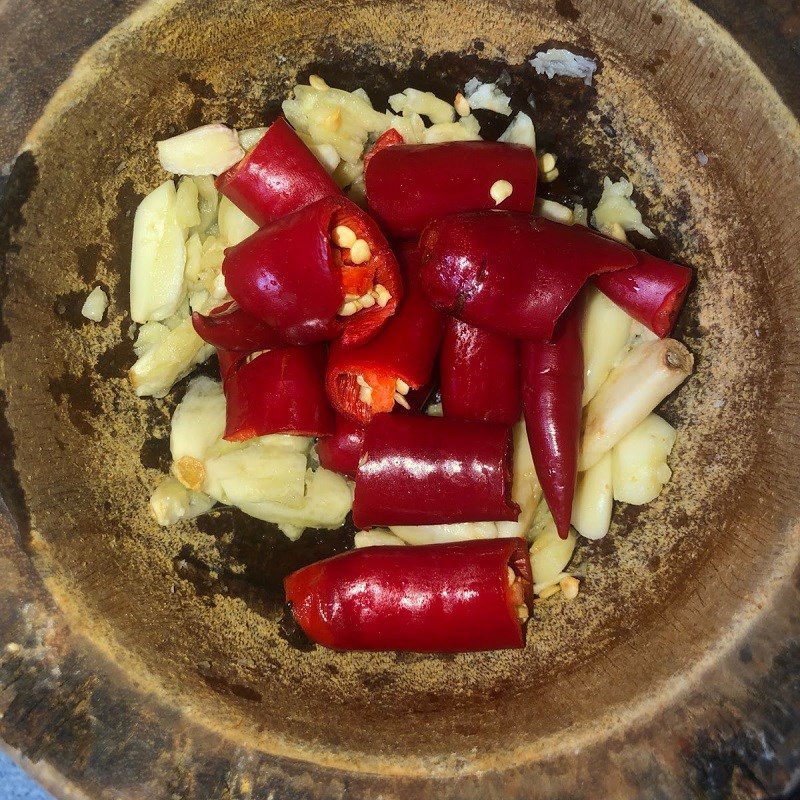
x=280 y=391
x=296 y=274
x=652 y=292
x=371 y=378
x=409 y=186
x=419 y=470
x=479 y=374
x=438 y=598
x=341 y=451
x=231 y=328
x=552 y=385
x=278 y=176
x=512 y=273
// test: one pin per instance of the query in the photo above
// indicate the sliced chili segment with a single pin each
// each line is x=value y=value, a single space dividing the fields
x=439 y=598
x=231 y=328
x=342 y=450
x=479 y=374
x=418 y=470
x=279 y=391
x=652 y=292
x=512 y=273
x=373 y=377
x=292 y=274
x=410 y=185
x=278 y=176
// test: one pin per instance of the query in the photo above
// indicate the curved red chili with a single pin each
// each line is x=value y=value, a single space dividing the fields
x=409 y=186
x=280 y=391
x=552 y=385
x=341 y=451
x=292 y=277
x=479 y=374
x=230 y=327
x=652 y=292
x=386 y=139
x=419 y=470
x=371 y=378
x=278 y=176
x=512 y=273
x=438 y=598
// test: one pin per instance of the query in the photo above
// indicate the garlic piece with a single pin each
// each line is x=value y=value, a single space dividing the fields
x=234 y=225
x=520 y=131
x=198 y=421
x=549 y=555
x=95 y=305
x=639 y=461
x=594 y=500
x=617 y=208
x=158 y=256
x=250 y=137
x=487 y=96
x=426 y=104
x=207 y=150
x=171 y=502
x=376 y=537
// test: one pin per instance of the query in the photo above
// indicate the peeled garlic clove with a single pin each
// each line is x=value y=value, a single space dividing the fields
x=604 y=335
x=633 y=389
x=525 y=488
x=158 y=256
x=639 y=461
x=438 y=534
x=207 y=150
x=234 y=225
x=199 y=419
x=550 y=554
x=591 y=509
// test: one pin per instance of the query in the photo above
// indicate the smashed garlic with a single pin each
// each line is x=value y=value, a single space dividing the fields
x=207 y=202
x=171 y=502
x=95 y=305
x=234 y=225
x=198 y=421
x=158 y=256
x=427 y=104
x=207 y=150
x=594 y=500
x=639 y=461
x=549 y=555
x=487 y=96
x=617 y=208
x=465 y=130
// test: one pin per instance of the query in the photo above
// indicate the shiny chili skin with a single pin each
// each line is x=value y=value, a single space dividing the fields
x=512 y=273
x=341 y=451
x=386 y=139
x=552 y=385
x=479 y=374
x=409 y=186
x=278 y=176
x=231 y=328
x=280 y=391
x=652 y=292
x=418 y=470
x=405 y=348
x=437 y=598
x=289 y=276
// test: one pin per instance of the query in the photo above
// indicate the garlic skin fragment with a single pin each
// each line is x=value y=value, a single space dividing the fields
x=158 y=256
x=605 y=333
x=376 y=537
x=171 y=502
x=207 y=150
x=594 y=500
x=95 y=305
x=642 y=380
x=639 y=461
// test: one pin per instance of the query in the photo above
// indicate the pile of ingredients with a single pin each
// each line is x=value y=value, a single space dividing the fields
x=404 y=333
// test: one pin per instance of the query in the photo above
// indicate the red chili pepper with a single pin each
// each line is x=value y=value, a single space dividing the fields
x=280 y=391
x=419 y=470
x=386 y=139
x=342 y=451
x=438 y=598
x=512 y=273
x=479 y=374
x=652 y=292
x=231 y=328
x=552 y=385
x=278 y=176
x=290 y=276
x=405 y=349
x=409 y=186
